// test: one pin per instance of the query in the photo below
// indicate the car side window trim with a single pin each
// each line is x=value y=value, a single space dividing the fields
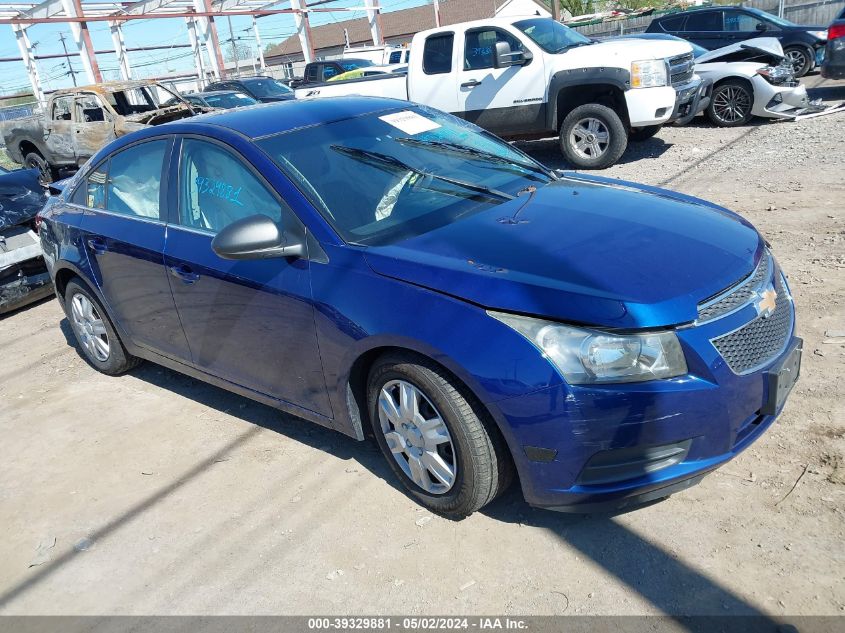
x=163 y=188
x=288 y=215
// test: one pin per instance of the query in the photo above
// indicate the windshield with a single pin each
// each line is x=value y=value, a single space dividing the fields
x=267 y=88
x=770 y=18
x=551 y=36
x=383 y=177
x=697 y=51
x=231 y=100
x=354 y=64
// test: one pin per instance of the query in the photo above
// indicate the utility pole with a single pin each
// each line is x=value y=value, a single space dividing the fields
x=234 y=47
x=437 y=13
x=67 y=57
x=556 y=10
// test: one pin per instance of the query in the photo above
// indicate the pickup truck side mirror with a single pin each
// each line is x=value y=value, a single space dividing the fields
x=504 y=56
x=256 y=237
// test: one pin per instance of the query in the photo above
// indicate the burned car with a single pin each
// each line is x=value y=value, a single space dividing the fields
x=77 y=122
x=23 y=274
x=750 y=78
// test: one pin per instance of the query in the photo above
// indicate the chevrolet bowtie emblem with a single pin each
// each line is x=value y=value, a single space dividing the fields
x=767 y=302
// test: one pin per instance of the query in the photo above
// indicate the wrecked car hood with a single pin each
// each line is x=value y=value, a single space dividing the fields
x=585 y=250
x=162 y=115
x=755 y=47
x=21 y=197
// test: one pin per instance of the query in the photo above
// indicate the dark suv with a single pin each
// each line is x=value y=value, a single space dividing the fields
x=715 y=27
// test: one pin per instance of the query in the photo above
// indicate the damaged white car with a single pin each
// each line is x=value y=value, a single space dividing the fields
x=750 y=78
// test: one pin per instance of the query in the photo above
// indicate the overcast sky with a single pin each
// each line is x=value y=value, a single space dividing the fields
x=157 y=32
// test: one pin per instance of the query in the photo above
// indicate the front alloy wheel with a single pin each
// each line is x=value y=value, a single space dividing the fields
x=589 y=138
x=730 y=105
x=592 y=136
x=417 y=437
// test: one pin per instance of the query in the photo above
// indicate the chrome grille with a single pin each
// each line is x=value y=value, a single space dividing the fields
x=739 y=294
x=759 y=341
x=681 y=69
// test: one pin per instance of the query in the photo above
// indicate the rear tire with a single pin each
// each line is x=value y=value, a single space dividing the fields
x=465 y=463
x=800 y=58
x=593 y=136
x=639 y=134
x=730 y=104
x=34 y=160
x=98 y=341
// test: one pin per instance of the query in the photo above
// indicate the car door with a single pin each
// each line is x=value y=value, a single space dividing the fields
x=92 y=126
x=503 y=100
x=58 y=132
x=123 y=235
x=250 y=322
x=740 y=26
x=706 y=29
x=437 y=74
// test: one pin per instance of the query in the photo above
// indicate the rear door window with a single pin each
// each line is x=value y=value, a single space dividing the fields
x=704 y=21
x=673 y=25
x=216 y=188
x=437 y=54
x=89 y=109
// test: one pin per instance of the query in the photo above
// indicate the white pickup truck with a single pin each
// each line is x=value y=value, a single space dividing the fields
x=534 y=78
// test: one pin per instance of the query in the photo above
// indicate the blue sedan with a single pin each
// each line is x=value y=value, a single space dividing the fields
x=385 y=269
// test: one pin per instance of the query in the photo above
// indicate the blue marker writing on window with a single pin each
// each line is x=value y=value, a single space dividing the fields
x=219 y=189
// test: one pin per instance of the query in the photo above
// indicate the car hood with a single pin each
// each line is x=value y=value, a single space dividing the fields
x=754 y=47
x=584 y=250
x=622 y=52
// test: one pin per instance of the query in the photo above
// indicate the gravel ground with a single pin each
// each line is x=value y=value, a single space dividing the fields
x=154 y=493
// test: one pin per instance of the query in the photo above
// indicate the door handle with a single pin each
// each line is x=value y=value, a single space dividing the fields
x=472 y=83
x=184 y=273
x=97 y=245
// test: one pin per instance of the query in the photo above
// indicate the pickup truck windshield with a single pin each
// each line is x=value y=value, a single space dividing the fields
x=551 y=36
x=384 y=177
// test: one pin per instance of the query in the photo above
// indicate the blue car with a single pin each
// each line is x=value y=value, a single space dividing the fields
x=388 y=270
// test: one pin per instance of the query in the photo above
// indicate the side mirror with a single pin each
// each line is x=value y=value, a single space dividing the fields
x=256 y=237
x=503 y=56
x=761 y=26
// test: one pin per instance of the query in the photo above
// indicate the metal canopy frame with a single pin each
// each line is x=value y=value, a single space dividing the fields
x=199 y=16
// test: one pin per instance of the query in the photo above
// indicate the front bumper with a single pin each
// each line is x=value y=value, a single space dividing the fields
x=691 y=99
x=606 y=447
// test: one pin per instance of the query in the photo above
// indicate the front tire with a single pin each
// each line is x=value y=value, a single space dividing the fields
x=593 y=136
x=433 y=436
x=800 y=58
x=730 y=104
x=97 y=338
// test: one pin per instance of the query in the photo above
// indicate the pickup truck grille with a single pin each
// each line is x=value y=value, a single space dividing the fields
x=681 y=69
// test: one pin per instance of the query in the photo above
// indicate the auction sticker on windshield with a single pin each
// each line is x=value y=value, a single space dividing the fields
x=410 y=122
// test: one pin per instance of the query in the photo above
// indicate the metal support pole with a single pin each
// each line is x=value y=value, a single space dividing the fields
x=204 y=31
x=780 y=8
x=235 y=55
x=436 y=13
x=303 y=28
x=25 y=47
x=120 y=50
x=82 y=39
x=374 y=18
x=255 y=32
x=195 y=47
x=556 y=10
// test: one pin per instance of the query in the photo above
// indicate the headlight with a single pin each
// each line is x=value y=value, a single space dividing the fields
x=648 y=73
x=585 y=356
x=822 y=35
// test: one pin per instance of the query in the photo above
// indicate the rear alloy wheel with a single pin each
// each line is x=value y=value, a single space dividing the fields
x=800 y=59
x=730 y=105
x=432 y=434
x=95 y=334
x=592 y=136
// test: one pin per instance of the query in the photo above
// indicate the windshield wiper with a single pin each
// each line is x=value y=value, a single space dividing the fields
x=391 y=161
x=477 y=153
x=574 y=45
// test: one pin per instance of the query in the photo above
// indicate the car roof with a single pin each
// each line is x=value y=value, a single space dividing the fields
x=274 y=118
x=209 y=93
x=711 y=7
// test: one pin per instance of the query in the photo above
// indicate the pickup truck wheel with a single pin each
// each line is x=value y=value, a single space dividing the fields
x=638 y=134
x=593 y=136
x=434 y=436
x=730 y=105
x=34 y=160
x=800 y=58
